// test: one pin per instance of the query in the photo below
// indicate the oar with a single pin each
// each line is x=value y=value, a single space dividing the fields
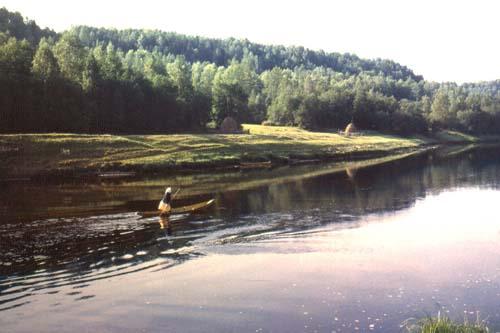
x=175 y=194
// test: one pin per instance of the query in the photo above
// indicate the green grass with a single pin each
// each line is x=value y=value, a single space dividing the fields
x=30 y=154
x=49 y=152
x=453 y=136
x=443 y=324
x=459 y=137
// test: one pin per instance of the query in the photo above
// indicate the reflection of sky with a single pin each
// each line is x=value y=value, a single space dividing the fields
x=441 y=254
x=294 y=249
x=458 y=230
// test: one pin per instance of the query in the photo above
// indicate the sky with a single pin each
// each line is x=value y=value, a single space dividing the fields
x=443 y=40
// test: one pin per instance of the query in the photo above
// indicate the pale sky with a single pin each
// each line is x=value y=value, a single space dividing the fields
x=443 y=40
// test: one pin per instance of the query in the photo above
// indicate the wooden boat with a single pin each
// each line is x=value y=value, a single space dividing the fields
x=299 y=162
x=181 y=210
x=116 y=174
x=255 y=165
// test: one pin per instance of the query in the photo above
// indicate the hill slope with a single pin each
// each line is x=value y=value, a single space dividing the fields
x=94 y=80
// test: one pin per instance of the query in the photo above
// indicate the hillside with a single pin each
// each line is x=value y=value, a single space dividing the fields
x=94 y=80
x=222 y=51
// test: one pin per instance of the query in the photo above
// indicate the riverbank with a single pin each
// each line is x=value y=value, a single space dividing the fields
x=32 y=155
x=273 y=253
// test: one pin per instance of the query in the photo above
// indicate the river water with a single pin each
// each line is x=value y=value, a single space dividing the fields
x=318 y=248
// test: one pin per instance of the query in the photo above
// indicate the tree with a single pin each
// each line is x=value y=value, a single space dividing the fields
x=91 y=74
x=203 y=75
x=15 y=59
x=99 y=80
x=360 y=108
x=45 y=65
x=229 y=100
x=441 y=114
x=179 y=72
x=256 y=107
x=16 y=89
x=111 y=65
x=70 y=56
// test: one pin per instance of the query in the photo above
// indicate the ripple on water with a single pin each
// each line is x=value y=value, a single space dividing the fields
x=57 y=244
x=29 y=285
x=127 y=256
x=120 y=244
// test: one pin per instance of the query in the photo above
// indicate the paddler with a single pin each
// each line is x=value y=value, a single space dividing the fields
x=164 y=205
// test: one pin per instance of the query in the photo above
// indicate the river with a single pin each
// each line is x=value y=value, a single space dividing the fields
x=316 y=248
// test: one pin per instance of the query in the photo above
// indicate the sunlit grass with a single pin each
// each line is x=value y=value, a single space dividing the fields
x=453 y=136
x=56 y=151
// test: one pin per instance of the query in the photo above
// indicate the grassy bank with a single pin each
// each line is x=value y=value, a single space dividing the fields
x=24 y=155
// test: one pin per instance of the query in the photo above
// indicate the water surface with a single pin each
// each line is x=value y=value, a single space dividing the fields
x=314 y=248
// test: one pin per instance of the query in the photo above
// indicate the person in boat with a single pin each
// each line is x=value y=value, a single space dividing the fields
x=164 y=206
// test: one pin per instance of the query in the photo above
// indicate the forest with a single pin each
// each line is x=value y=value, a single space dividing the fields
x=95 y=80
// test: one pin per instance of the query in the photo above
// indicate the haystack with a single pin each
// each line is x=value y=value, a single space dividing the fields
x=229 y=126
x=350 y=129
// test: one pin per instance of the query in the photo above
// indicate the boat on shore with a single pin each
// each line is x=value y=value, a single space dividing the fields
x=256 y=165
x=115 y=174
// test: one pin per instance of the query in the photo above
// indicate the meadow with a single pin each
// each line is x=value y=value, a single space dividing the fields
x=32 y=154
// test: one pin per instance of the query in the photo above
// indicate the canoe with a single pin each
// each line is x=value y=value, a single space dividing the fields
x=255 y=165
x=181 y=210
x=192 y=208
x=117 y=174
x=298 y=162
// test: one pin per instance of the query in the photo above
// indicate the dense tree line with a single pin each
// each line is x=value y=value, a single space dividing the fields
x=222 y=51
x=14 y=25
x=139 y=81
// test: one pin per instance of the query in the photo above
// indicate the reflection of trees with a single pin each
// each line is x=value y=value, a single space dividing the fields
x=390 y=186
x=351 y=173
x=165 y=224
x=379 y=188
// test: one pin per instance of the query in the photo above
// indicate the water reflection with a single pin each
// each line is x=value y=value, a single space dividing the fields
x=164 y=222
x=61 y=239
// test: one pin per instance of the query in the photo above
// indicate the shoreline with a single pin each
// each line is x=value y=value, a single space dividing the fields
x=26 y=157
x=140 y=171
